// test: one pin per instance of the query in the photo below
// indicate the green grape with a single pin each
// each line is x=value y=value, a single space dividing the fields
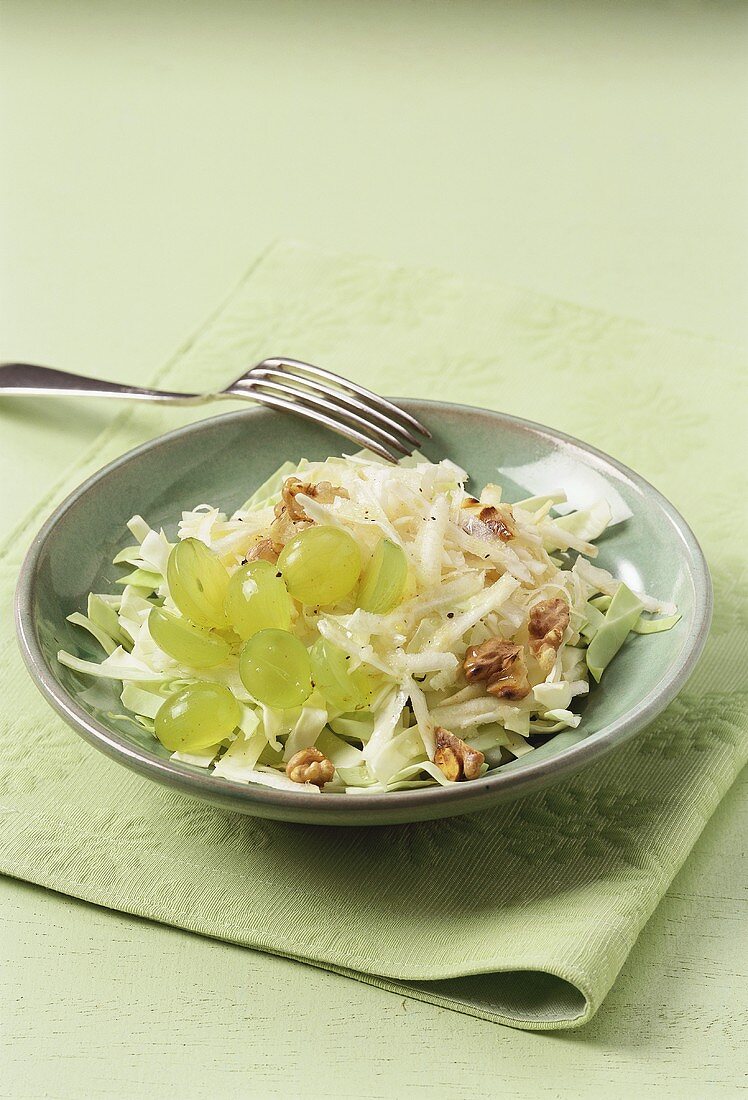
x=320 y=565
x=197 y=582
x=197 y=716
x=275 y=669
x=188 y=644
x=342 y=688
x=384 y=578
x=257 y=599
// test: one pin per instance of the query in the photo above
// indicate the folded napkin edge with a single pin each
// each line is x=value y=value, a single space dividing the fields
x=428 y=990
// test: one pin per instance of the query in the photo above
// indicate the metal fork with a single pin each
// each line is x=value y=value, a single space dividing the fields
x=319 y=395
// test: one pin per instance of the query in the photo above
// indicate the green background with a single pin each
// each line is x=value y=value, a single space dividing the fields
x=593 y=152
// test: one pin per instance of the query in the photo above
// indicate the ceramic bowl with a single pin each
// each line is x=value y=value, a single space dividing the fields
x=222 y=459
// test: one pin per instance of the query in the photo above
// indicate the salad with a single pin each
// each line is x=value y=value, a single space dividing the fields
x=359 y=627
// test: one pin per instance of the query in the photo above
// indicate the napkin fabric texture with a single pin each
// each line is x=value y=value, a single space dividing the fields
x=522 y=915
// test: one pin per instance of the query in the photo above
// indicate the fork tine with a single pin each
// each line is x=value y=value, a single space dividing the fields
x=250 y=385
x=338 y=395
x=344 y=383
x=317 y=418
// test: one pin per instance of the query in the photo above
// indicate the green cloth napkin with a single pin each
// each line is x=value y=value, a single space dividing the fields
x=522 y=915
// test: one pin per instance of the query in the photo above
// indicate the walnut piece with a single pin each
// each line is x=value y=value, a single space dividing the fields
x=456 y=759
x=487 y=521
x=283 y=528
x=548 y=621
x=310 y=766
x=290 y=517
x=264 y=550
x=501 y=664
x=323 y=491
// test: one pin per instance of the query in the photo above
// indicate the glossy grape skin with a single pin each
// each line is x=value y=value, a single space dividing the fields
x=320 y=565
x=257 y=599
x=343 y=689
x=384 y=579
x=275 y=669
x=197 y=582
x=197 y=716
x=188 y=644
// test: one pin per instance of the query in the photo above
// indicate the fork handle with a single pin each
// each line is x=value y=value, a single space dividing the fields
x=28 y=379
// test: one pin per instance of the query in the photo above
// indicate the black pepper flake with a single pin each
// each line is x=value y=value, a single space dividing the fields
x=450 y=614
x=279 y=574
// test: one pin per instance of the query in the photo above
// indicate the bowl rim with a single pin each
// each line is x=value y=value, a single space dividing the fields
x=405 y=805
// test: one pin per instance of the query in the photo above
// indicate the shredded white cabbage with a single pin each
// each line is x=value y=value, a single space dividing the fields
x=466 y=586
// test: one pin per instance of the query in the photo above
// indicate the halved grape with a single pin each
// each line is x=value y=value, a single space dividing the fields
x=197 y=716
x=384 y=578
x=343 y=689
x=197 y=582
x=257 y=599
x=188 y=644
x=275 y=669
x=320 y=565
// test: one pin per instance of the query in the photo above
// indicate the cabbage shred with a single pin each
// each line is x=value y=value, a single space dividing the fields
x=465 y=586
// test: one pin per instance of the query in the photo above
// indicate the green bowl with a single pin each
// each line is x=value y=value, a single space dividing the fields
x=223 y=459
